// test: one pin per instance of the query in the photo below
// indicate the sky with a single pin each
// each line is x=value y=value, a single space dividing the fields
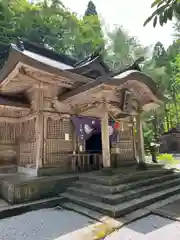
x=130 y=14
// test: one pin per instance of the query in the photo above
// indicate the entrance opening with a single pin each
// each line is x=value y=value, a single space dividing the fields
x=94 y=144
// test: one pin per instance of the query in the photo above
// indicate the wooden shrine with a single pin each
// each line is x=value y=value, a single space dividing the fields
x=41 y=90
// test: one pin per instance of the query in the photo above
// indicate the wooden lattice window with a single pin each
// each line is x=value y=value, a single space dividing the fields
x=54 y=158
x=125 y=133
x=7 y=131
x=17 y=130
x=56 y=129
x=126 y=149
x=27 y=153
x=28 y=130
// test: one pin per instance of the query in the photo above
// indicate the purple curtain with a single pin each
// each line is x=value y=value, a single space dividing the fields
x=86 y=126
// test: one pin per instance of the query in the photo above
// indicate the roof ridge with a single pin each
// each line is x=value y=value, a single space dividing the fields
x=49 y=53
x=134 y=66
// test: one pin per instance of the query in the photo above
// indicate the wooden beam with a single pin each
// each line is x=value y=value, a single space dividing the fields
x=143 y=81
x=48 y=79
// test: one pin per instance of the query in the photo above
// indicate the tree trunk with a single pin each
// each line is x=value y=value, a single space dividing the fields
x=176 y=107
x=167 y=118
x=153 y=154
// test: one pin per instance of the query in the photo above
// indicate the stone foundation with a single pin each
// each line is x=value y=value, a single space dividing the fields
x=20 y=189
x=52 y=171
x=29 y=171
x=118 y=161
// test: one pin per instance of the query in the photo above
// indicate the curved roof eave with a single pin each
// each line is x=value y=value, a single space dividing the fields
x=93 y=68
x=47 y=61
x=81 y=68
x=135 y=75
x=16 y=56
x=131 y=75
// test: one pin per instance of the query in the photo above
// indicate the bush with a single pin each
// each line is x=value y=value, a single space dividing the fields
x=167 y=159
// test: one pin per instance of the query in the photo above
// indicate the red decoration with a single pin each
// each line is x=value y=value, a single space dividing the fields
x=116 y=125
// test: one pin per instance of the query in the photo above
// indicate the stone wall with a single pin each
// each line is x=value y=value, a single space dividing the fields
x=20 y=191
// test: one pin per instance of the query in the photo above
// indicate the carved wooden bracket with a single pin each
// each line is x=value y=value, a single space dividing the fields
x=56 y=116
x=129 y=102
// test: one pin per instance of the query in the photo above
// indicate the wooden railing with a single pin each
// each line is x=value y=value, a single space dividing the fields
x=86 y=162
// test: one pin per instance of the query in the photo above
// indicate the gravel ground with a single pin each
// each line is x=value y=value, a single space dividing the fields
x=49 y=224
x=148 y=228
x=45 y=224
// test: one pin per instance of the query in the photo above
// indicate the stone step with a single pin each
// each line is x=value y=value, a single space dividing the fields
x=126 y=196
x=122 y=208
x=124 y=187
x=122 y=178
x=82 y=210
x=100 y=217
x=8 y=169
x=154 y=165
x=127 y=163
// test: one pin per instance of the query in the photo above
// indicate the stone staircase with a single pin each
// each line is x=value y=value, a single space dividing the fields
x=122 y=193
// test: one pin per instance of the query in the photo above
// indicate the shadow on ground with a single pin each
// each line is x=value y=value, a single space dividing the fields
x=171 y=210
x=149 y=227
x=149 y=224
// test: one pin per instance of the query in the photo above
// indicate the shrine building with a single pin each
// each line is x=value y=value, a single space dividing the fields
x=58 y=115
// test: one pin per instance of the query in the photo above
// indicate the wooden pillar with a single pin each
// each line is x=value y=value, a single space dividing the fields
x=106 y=156
x=45 y=140
x=140 y=139
x=134 y=139
x=36 y=94
x=39 y=140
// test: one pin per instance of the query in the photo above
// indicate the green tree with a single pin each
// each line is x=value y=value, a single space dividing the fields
x=122 y=50
x=159 y=55
x=91 y=9
x=47 y=23
x=91 y=19
x=177 y=27
x=164 y=11
x=164 y=67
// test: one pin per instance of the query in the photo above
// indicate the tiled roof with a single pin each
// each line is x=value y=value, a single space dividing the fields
x=92 y=67
x=53 y=55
